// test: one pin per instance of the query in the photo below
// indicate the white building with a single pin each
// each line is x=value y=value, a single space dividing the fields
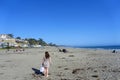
x=5 y=39
x=4 y=36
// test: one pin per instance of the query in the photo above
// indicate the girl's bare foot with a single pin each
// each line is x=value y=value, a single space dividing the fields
x=46 y=75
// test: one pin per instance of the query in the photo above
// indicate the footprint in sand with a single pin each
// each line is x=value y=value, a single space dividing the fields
x=95 y=76
x=65 y=79
x=63 y=58
x=66 y=68
x=36 y=76
x=59 y=66
x=76 y=71
x=8 y=61
x=1 y=73
x=2 y=66
x=71 y=56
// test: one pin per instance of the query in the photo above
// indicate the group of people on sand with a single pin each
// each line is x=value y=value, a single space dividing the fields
x=44 y=69
x=63 y=50
x=19 y=49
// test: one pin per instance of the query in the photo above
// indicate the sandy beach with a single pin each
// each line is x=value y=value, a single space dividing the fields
x=76 y=64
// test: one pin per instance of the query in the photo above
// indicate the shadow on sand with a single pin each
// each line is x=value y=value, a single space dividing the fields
x=37 y=72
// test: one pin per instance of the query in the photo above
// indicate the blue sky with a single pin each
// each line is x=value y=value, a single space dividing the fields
x=63 y=22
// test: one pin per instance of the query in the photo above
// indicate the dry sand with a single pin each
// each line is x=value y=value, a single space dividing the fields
x=76 y=64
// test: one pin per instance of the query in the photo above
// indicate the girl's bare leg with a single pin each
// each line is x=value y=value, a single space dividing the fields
x=46 y=72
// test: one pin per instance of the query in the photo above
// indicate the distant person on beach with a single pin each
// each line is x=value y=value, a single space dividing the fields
x=114 y=51
x=64 y=50
x=46 y=62
x=8 y=46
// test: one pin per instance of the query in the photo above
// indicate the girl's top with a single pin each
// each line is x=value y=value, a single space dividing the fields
x=46 y=62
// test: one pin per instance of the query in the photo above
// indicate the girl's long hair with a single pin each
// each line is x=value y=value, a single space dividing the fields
x=47 y=55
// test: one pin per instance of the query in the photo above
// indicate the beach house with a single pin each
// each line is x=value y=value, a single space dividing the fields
x=5 y=39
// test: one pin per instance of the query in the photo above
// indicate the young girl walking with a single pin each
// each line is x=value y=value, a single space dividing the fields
x=46 y=62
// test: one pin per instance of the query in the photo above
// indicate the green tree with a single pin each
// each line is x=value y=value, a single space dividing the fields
x=42 y=42
x=51 y=44
x=18 y=37
x=11 y=35
x=32 y=41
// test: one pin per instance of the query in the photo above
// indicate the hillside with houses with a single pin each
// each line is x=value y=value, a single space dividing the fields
x=7 y=40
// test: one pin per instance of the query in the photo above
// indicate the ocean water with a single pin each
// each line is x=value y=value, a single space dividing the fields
x=101 y=47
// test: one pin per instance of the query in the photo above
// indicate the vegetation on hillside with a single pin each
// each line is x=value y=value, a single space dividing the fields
x=33 y=41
